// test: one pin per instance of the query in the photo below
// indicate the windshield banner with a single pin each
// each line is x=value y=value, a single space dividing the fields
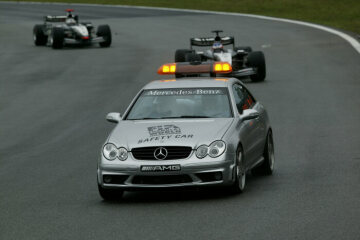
x=185 y=91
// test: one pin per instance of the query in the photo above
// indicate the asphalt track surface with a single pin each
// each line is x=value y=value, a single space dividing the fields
x=52 y=116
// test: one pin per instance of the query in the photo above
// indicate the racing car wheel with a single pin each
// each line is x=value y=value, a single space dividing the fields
x=105 y=32
x=257 y=60
x=40 y=38
x=192 y=57
x=58 y=38
x=180 y=54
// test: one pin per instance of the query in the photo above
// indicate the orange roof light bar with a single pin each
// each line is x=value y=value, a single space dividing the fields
x=169 y=80
x=169 y=68
x=197 y=68
x=222 y=67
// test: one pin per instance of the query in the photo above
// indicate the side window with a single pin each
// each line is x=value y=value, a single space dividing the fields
x=239 y=96
x=249 y=100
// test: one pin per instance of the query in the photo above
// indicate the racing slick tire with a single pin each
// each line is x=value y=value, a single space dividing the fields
x=105 y=32
x=267 y=166
x=57 y=41
x=246 y=49
x=192 y=57
x=40 y=38
x=257 y=61
x=180 y=54
x=110 y=194
x=239 y=173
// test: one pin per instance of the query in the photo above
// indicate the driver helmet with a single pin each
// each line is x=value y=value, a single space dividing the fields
x=69 y=13
x=217 y=45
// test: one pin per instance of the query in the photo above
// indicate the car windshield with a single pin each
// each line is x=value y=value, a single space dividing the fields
x=181 y=103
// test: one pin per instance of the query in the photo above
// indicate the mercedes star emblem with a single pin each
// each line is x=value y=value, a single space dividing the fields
x=160 y=153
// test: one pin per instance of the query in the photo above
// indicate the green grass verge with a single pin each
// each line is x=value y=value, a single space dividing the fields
x=342 y=14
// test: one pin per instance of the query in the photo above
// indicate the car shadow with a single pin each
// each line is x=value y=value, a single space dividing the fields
x=74 y=47
x=185 y=195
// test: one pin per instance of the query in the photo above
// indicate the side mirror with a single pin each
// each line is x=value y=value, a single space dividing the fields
x=249 y=114
x=114 y=117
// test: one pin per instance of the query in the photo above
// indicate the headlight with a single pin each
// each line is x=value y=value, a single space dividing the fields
x=202 y=151
x=214 y=150
x=111 y=152
x=123 y=154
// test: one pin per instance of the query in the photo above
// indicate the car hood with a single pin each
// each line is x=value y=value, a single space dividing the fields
x=131 y=134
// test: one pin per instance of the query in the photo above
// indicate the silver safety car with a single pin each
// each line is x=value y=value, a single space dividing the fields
x=192 y=132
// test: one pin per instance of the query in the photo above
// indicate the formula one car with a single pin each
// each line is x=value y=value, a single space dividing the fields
x=58 y=31
x=243 y=60
x=187 y=133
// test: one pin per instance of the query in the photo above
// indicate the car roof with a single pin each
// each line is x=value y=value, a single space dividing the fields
x=191 y=83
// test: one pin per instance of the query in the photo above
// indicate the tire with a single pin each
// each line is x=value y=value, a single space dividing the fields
x=257 y=61
x=57 y=40
x=267 y=167
x=180 y=54
x=110 y=194
x=40 y=39
x=246 y=49
x=192 y=57
x=105 y=32
x=239 y=174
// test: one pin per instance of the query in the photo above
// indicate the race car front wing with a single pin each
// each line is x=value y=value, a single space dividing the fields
x=81 y=41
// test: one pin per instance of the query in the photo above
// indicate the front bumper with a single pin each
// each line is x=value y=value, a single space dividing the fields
x=194 y=172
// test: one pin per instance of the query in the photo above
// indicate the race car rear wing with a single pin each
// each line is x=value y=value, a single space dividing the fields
x=55 y=18
x=207 y=42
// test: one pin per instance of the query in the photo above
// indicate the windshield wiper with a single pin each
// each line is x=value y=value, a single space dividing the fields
x=188 y=116
x=183 y=116
x=141 y=118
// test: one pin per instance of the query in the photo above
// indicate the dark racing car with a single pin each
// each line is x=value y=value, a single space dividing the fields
x=59 y=31
x=244 y=61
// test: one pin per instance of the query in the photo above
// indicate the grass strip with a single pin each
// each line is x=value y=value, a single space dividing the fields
x=341 y=14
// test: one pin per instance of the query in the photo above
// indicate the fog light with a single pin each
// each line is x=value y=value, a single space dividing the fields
x=218 y=176
x=107 y=179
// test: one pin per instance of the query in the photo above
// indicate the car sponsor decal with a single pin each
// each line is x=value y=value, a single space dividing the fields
x=164 y=132
x=160 y=168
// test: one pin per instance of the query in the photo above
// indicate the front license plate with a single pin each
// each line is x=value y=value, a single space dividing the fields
x=160 y=168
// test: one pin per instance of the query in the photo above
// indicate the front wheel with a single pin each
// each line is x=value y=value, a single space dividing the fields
x=256 y=60
x=240 y=173
x=40 y=38
x=110 y=194
x=267 y=167
x=105 y=32
x=57 y=38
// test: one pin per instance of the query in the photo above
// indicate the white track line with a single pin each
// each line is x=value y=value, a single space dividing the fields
x=353 y=42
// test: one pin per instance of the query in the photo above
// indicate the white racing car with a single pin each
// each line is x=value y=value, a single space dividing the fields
x=59 y=31
x=244 y=61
